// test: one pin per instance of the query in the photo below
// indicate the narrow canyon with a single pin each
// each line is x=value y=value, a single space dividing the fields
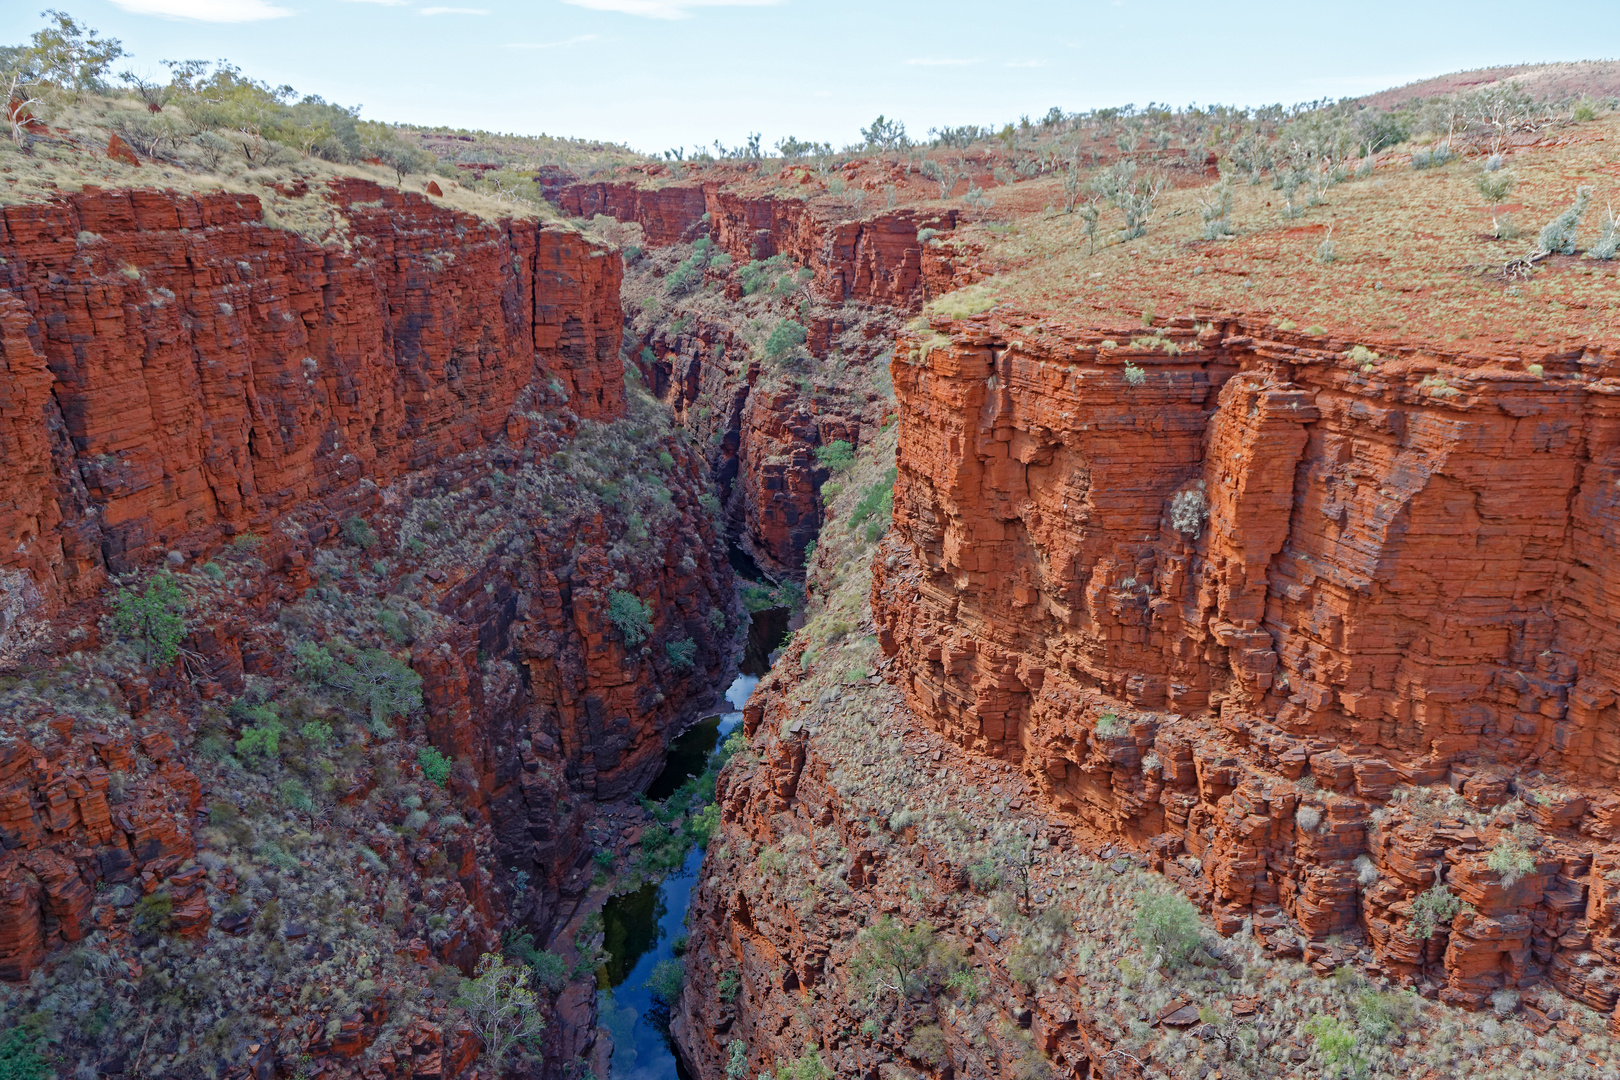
x=793 y=620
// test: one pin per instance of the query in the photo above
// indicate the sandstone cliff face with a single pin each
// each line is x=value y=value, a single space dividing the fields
x=188 y=373
x=179 y=370
x=1171 y=583
x=874 y=260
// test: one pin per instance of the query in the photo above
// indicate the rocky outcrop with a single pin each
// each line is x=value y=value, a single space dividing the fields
x=416 y=438
x=1220 y=591
x=876 y=260
x=180 y=370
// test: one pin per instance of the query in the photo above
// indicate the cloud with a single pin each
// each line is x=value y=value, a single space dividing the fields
x=939 y=61
x=222 y=11
x=577 y=39
x=455 y=11
x=385 y=3
x=665 y=9
x=1025 y=63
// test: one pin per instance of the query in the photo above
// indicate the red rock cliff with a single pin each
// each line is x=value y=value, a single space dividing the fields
x=1169 y=580
x=180 y=370
x=875 y=260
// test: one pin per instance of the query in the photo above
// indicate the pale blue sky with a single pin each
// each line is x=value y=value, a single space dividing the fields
x=658 y=73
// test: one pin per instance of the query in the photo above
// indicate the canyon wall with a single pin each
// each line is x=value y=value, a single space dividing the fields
x=877 y=259
x=178 y=370
x=1217 y=593
x=188 y=384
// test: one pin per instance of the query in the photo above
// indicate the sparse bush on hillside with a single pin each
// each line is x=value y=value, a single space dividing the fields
x=1432 y=909
x=1511 y=860
x=1188 y=509
x=1167 y=928
x=631 y=615
x=682 y=653
x=154 y=618
x=501 y=1008
x=892 y=957
x=1493 y=187
x=837 y=455
x=787 y=337
x=1557 y=237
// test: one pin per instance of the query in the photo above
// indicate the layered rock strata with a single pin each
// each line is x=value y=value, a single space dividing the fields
x=385 y=429
x=179 y=370
x=1317 y=633
x=878 y=259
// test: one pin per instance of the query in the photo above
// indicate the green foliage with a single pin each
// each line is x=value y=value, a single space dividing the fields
x=214 y=571
x=435 y=766
x=68 y=55
x=985 y=874
x=787 y=336
x=1167 y=928
x=1510 y=860
x=501 y=1007
x=703 y=824
x=153 y=618
x=682 y=654
x=384 y=684
x=1334 y=1041
x=261 y=741
x=758 y=597
x=892 y=956
x=808 y=1066
x=360 y=534
x=737 y=1060
x=1379 y=1016
x=296 y=797
x=710 y=504
x=153 y=913
x=927 y=1044
x=1558 y=235
x=1431 y=909
x=312 y=664
x=730 y=986
x=875 y=507
x=763 y=274
x=19 y=1056
x=666 y=459
x=548 y=968
x=1108 y=726
x=666 y=980
x=837 y=455
x=317 y=733
x=632 y=616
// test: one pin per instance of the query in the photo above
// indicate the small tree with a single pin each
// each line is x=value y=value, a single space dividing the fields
x=154 y=618
x=385 y=684
x=1430 y=910
x=1167 y=928
x=631 y=615
x=682 y=654
x=1510 y=860
x=72 y=56
x=501 y=1007
x=787 y=336
x=1558 y=235
x=1494 y=188
x=837 y=455
x=892 y=956
x=885 y=135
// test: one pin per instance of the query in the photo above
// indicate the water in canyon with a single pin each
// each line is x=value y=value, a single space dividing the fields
x=643 y=928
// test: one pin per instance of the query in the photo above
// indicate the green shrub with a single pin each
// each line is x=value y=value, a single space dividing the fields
x=787 y=336
x=214 y=571
x=360 y=534
x=1558 y=235
x=701 y=826
x=153 y=913
x=154 y=618
x=312 y=664
x=737 y=1060
x=501 y=1007
x=710 y=504
x=19 y=1058
x=892 y=956
x=927 y=1043
x=837 y=455
x=1430 y=910
x=631 y=615
x=682 y=654
x=296 y=797
x=262 y=741
x=876 y=505
x=730 y=986
x=1334 y=1041
x=1510 y=860
x=394 y=625
x=1167 y=928
x=383 y=683
x=666 y=980
x=435 y=766
x=316 y=733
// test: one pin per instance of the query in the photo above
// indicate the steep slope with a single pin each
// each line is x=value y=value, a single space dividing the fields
x=471 y=591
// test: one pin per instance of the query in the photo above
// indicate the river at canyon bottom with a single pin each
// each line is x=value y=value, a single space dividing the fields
x=642 y=928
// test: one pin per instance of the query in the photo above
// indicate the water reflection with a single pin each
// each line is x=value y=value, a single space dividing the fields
x=641 y=928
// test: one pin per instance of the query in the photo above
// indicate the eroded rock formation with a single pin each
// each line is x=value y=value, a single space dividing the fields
x=1220 y=592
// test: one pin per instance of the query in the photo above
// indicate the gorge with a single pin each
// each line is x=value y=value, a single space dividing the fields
x=1147 y=685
